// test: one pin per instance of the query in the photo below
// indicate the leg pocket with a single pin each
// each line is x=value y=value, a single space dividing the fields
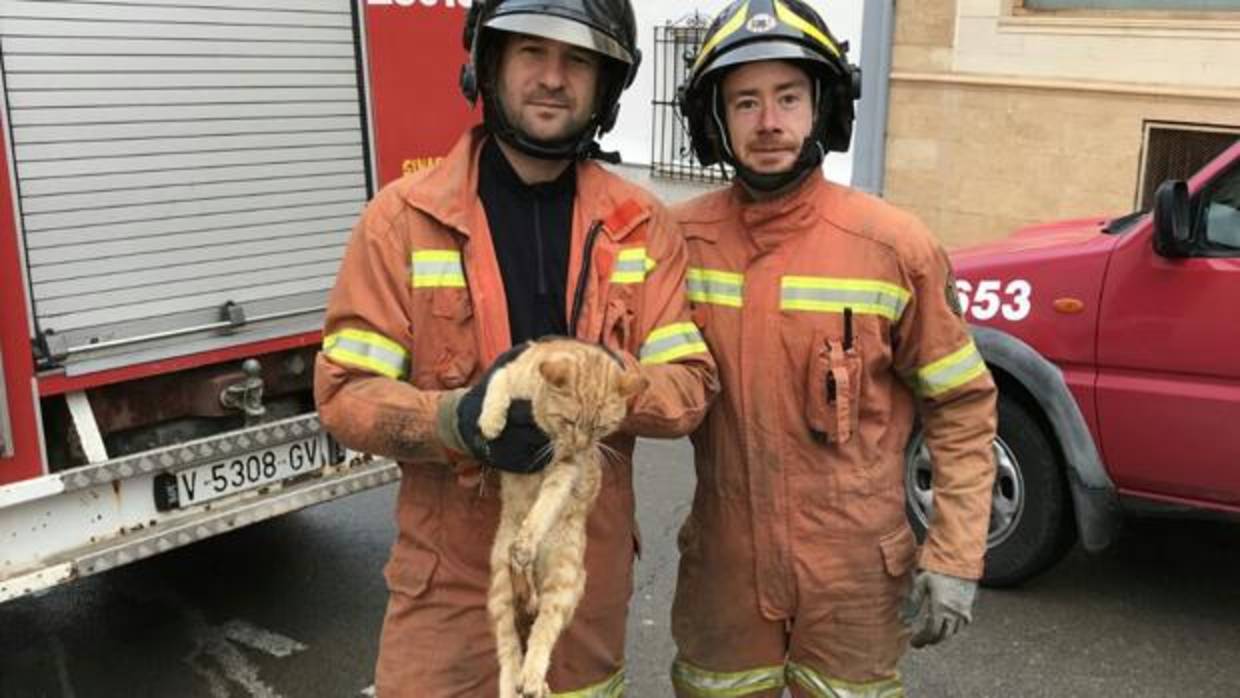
x=409 y=572
x=899 y=550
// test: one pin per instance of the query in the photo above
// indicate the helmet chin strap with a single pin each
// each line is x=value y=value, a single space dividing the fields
x=809 y=158
x=570 y=147
x=578 y=146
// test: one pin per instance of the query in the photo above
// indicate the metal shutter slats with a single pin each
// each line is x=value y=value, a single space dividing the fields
x=47 y=262
x=173 y=155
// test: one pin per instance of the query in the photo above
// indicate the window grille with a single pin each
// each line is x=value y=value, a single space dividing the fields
x=675 y=46
x=1176 y=151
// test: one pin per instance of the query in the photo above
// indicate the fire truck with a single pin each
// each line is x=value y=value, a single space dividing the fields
x=180 y=178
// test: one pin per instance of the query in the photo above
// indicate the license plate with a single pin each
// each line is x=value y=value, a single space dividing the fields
x=245 y=471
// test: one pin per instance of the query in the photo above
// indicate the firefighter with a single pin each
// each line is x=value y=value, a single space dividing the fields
x=516 y=234
x=833 y=320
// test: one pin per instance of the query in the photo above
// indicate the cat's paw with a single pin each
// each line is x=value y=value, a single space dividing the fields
x=491 y=424
x=507 y=689
x=542 y=690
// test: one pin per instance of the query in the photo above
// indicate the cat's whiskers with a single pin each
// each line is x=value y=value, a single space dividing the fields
x=547 y=450
x=610 y=454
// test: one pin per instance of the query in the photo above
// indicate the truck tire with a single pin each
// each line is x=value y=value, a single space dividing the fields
x=1031 y=522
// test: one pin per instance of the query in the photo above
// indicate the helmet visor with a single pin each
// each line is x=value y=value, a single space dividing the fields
x=767 y=51
x=562 y=29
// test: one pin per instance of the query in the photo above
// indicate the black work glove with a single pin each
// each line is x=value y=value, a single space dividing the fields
x=522 y=447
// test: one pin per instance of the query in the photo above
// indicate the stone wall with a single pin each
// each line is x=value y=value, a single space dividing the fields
x=1000 y=118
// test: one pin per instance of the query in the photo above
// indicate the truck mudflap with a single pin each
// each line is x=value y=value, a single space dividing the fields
x=94 y=518
x=1094 y=498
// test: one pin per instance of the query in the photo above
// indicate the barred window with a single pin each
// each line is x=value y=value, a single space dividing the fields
x=676 y=45
x=1176 y=151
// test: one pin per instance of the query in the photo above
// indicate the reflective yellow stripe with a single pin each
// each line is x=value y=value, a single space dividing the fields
x=791 y=19
x=632 y=266
x=437 y=268
x=820 y=686
x=437 y=256
x=368 y=351
x=730 y=27
x=672 y=342
x=950 y=372
x=823 y=294
x=613 y=687
x=713 y=684
x=715 y=287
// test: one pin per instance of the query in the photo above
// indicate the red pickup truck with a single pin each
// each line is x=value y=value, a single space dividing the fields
x=1115 y=343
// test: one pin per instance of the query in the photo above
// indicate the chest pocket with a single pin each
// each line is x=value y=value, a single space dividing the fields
x=833 y=387
x=447 y=351
x=836 y=309
x=618 y=318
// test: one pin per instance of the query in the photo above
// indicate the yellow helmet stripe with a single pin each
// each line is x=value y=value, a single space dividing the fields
x=730 y=27
x=793 y=20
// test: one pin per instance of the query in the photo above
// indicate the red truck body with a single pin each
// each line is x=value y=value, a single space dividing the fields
x=144 y=142
x=1147 y=341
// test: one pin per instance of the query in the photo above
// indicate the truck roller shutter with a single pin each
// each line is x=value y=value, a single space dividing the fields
x=188 y=170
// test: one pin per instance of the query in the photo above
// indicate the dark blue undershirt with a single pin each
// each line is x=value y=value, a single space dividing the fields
x=531 y=228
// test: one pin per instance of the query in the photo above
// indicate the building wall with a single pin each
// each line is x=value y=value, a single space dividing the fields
x=1002 y=117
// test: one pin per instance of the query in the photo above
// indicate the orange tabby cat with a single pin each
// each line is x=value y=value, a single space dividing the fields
x=579 y=394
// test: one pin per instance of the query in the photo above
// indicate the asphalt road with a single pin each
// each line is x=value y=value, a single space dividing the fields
x=292 y=607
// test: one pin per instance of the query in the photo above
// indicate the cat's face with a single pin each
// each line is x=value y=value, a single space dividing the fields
x=586 y=397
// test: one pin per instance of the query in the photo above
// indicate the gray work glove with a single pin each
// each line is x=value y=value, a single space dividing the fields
x=938 y=606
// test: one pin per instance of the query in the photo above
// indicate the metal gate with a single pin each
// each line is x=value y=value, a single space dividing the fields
x=187 y=170
x=675 y=46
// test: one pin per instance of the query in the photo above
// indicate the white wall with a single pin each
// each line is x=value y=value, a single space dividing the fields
x=632 y=135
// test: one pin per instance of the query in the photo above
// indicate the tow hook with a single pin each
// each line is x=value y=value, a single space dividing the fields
x=247 y=394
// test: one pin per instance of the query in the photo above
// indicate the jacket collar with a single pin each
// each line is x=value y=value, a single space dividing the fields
x=448 y=192
x=768 y=223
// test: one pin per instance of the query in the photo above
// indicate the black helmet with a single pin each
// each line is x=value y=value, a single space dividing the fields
x=747 y=31
x=606 y=27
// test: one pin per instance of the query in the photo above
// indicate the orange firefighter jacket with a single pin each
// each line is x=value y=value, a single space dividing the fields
x=831 y=317
x=418 y=307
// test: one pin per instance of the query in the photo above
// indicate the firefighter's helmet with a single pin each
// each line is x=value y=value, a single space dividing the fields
x=747 y=31
x=606 y=27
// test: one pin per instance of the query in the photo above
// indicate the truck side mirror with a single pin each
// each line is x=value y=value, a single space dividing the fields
x=1173 y=229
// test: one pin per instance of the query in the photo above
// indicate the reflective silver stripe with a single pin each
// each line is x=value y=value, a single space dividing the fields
x=367 y=350
x=950 y=372
x=831 y=295
x=713 y=684
x=613 y=687
x=437 y=268
x=715 y=287
x=632 y=266
x=672 y=342
x=822 y=687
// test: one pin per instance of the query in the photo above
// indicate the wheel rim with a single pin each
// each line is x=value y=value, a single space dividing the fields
x=1008 y=495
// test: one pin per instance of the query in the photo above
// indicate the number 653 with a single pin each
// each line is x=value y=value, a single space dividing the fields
x=992 y=297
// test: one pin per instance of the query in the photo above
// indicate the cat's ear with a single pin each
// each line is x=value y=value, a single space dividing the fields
x=631 y=383
x=556 y=370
